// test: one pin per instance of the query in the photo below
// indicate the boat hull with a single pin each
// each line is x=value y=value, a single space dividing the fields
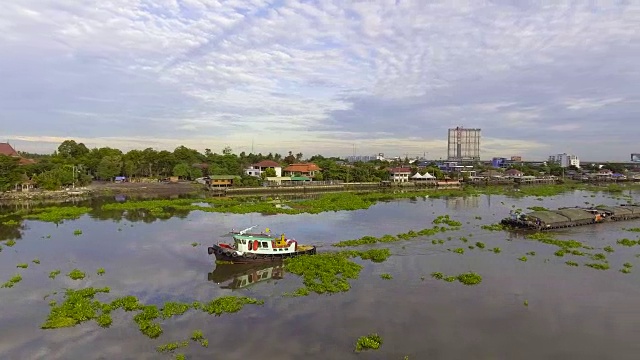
x=227 y=255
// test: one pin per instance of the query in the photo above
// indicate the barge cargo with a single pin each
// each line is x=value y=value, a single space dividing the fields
x=569 y=217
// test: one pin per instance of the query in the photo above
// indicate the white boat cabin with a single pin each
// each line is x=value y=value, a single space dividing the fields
x=264 y=245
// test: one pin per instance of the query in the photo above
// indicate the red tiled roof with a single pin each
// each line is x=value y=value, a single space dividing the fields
x=399 y=170
x=302 y=167
x=267 y=164
x=7 y=149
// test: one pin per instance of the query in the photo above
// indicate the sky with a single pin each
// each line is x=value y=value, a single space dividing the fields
x=323 y=77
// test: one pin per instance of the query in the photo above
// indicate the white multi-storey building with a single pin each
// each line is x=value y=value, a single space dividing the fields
x=565 y=160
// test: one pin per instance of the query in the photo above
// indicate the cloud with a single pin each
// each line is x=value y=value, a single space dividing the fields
x=388 y=76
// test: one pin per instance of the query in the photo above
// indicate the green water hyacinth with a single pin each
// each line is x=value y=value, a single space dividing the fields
x=371 y=341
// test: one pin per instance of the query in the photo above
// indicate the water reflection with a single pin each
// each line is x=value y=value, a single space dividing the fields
x=244 y=275
x=467 y=202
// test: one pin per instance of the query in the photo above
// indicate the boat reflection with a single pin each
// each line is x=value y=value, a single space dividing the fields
x=243 y=275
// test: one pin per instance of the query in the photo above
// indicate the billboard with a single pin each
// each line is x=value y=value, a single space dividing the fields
x=635 y=157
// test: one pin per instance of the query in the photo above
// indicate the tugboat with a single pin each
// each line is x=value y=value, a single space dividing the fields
x=257 y=248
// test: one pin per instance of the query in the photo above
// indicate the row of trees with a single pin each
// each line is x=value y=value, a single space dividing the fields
x=74 y=163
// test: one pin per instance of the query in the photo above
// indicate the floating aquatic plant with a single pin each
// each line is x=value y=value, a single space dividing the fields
x=480 y=245
x=57 y=214
x=77 y=232
x=458 y=251
x=627 y=265
x=36 y=261
x=368 y=239
x=608 y=249
x=371 y=341
x=571 y=263
x=173 y=346
x=386 y=276
x=598 y=266
x=76 y=274
x=468 y=278
x=496 y=250
x=625 y=270
x=100 y=271
x=627 y=242
x=531 y=253
x=194 y=244
x=599 y=257
x=493 y=227
x=22 y=266
x=526 y=303
x=14 y=280
x=54 y=273
x=523 y=258
x=10 y=243
x=637 y=229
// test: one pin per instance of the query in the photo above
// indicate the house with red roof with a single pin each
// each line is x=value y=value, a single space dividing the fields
x=8 y=150
x=257 y=169
x=399 y=174
x=302 y=169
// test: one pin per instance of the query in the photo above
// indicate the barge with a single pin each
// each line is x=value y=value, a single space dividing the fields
x=569 y=217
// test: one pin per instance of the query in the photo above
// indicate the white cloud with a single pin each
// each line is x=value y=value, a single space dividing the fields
x=216 y=73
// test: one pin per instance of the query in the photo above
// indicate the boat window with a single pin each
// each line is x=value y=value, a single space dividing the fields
x=265 y=244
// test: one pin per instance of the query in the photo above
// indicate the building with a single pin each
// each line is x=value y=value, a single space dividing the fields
x=498 y=162
x=463 y=144
x=302 y=169
x=8 y=150
x=257 y=169
x=515 y=173
x=635 y=157
x=565 y=160
x=516 y=158
x=399 y=174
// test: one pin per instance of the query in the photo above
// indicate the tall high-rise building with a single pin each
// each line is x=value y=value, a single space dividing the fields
x=464 y=144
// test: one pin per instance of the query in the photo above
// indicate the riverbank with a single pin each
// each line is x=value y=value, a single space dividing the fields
x=100 y=189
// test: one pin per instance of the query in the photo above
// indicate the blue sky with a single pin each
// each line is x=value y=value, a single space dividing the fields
x=321 y=76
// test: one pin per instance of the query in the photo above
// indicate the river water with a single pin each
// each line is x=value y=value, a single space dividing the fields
x=572 y=312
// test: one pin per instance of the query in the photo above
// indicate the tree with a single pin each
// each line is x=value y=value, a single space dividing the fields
x=299 y=157
x=290 y=159
x=270 y=172
x=9 y=172
x=227 y=151
x=182 y=170
x=71 y=150
x=109 y=167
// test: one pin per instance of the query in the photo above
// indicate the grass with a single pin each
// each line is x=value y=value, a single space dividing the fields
x=11 y=282
x=372 y=341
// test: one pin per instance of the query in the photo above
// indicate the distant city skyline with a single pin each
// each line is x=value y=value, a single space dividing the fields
x=316 y=77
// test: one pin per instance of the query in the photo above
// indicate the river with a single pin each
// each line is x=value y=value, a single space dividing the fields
x=571 y=312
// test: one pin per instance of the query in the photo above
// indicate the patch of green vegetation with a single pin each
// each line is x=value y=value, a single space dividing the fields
x=571 y=263
x=22 y=266
x=464 y=239
x=598 y=266
x=77 y=232
x=494 y=227
x=608 y=249
x=57 y=214
x=194 y=244
x=526 y=303
x=36 y=261
x=80 y=306
x=76 y=274
x=368 y=239
x=11 y=223
x=173 y=346
x=538 y=208
x=627 y=265
x=181 y=357
x=10 y=243
x=386 y=276
x=100 y=271
x=458 y=251
x=627 y=242
x=496 y=250
x=468 y=278
x=523 y=258
x=531 y=253
x=480 y=245
x=599 y=257
x=371 y=341
x=637 y=229
x=14 y=280
x=54 y=273
x=625 y=270
x=560 y=253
